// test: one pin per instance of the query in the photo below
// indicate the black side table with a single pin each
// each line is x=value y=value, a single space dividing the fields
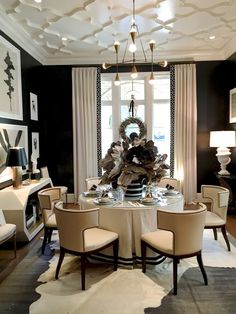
x=229 y=182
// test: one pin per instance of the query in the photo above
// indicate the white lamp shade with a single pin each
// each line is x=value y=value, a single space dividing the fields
x=222 y=139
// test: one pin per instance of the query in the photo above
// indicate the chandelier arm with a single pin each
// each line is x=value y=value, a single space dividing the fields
x=144 y=54
x=123 y=60
x=134 y=11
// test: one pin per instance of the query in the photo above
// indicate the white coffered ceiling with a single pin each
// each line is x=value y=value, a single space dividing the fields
x=181 y=28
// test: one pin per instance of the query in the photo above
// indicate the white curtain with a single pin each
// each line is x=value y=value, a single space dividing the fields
x=185 y=135
x=84 y=92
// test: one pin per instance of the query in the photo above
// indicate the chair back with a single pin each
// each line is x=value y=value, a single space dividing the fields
x=47 y=199
x=44 y=172
x=171 y=181
x=187 y=228
x=92 y=181
x=219 y=199
x=2 y=218
x=72 y=224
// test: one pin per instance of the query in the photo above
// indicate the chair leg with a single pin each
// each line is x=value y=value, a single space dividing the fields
x=61 y=257
x=175 y=274
x=200 y=263
x=14 y=240
x=83 y=264
x=143 y=253
x=223 y=230
x=49 y=237
x=44 y=239
x=115 y=253
x=215 y=233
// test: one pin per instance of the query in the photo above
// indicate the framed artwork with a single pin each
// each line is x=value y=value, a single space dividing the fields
x=35 y=144
x=232 y=105
x=10 y=81
x=10 y=136
x=33 y=107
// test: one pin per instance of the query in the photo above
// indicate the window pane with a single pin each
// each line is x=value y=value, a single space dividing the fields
x=161 y=127
x=125 y=112
x=158 y=121
x=106 y=128
x=106 y=90
x=161 y=88
x=137 y=90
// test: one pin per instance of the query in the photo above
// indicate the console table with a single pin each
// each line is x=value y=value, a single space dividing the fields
x=21 y=207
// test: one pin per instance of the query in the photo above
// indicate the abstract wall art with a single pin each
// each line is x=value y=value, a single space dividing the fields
x=10 y=81
x=10 y=136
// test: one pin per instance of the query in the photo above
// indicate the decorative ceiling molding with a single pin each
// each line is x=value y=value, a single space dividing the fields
x=181 y=28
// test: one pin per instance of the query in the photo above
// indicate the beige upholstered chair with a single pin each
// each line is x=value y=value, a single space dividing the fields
x=47 y=199
x=7 y=231
x=171 y=181
x=80 y=235
x=217 y=216
x=179 y=235
x=45 y=174
x=92 y=181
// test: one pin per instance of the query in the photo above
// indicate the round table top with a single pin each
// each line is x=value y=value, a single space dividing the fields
x=168 y=202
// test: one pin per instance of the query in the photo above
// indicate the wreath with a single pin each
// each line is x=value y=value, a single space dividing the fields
x=128 y=121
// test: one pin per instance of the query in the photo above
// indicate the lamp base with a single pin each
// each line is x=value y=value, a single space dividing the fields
x=17 y=177
x=224 y=172
x=224 y=160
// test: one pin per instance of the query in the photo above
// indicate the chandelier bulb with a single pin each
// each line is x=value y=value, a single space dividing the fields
x=163 y=63
x=117 y=46
x=151 y=78
x=132 y=47
x=134 y=72
x=152 y=44
x=117 y=80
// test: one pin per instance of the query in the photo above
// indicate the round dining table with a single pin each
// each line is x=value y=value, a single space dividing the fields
x=130 y=219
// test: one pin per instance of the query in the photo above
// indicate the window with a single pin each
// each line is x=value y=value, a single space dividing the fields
x=152 y=106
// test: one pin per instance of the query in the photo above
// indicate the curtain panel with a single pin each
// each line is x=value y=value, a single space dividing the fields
x=185 y=130
x=84 y=95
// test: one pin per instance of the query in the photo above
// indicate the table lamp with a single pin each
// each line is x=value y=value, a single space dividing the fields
x=16 y=158
x=223 y=140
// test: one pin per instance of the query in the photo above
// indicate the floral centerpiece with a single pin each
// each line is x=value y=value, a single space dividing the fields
x=132 y=160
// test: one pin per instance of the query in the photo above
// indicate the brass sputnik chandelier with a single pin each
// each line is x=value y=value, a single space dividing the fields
x=131 y=42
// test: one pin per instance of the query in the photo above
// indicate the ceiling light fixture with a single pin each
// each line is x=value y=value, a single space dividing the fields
x=131 y=44
x=212 y=37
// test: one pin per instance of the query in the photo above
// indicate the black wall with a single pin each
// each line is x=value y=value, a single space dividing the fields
x=56 y=129
x=29 y=84
x=214 y=80
x=53 y=85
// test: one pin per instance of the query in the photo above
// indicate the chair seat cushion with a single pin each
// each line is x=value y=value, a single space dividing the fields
x=6 y=231
x=51 y=222
x=160 y=239
x=96 y=238
x=213 y=220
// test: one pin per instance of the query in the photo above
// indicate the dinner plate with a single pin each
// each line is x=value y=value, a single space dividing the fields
x=101 y=201
x=90 y=193
x=148 y=201
x=171 y=193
